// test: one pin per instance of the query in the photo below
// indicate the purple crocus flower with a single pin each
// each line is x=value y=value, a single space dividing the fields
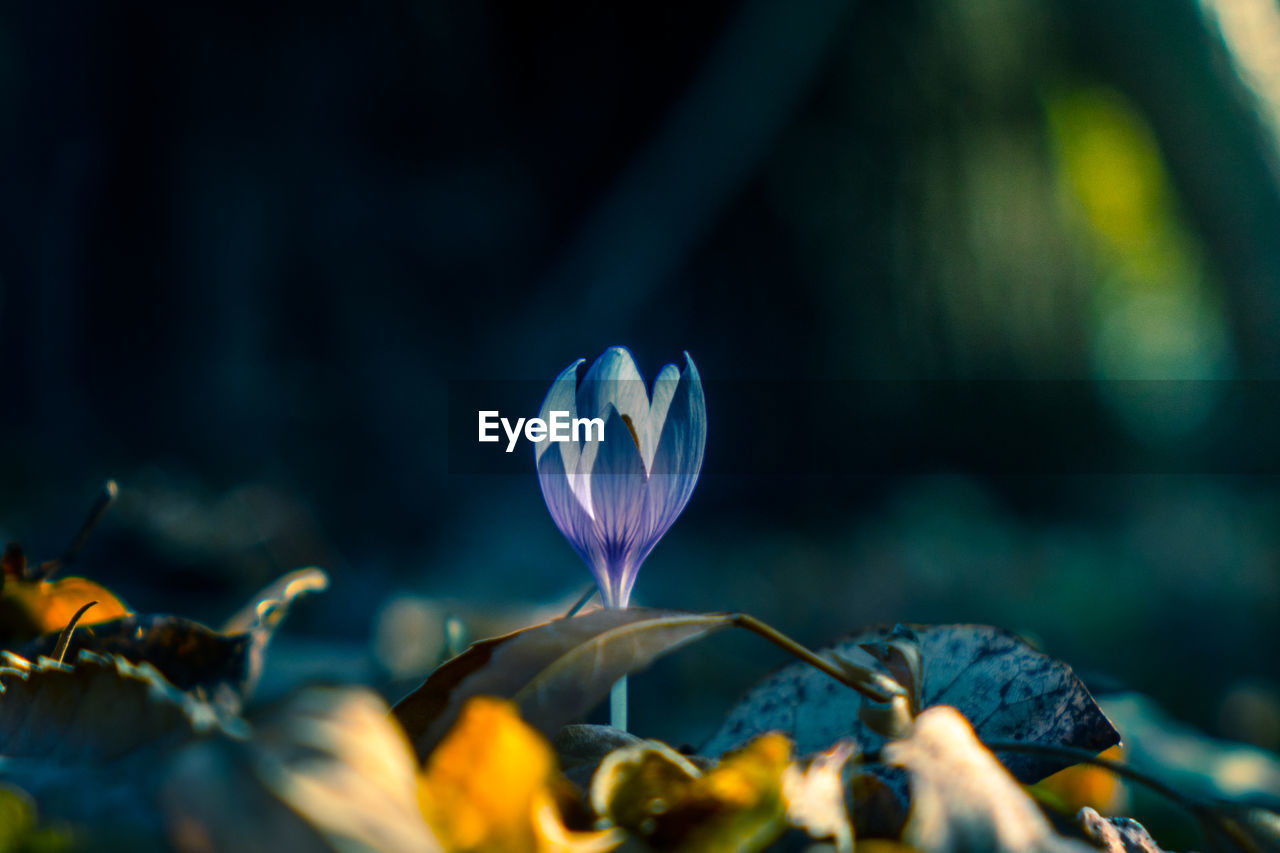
x=614 y=498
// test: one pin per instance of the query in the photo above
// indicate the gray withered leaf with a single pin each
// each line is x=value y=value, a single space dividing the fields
x=325 y=770
x=1005 y=688
x=85 y=738
x=222 y=665
x=554 y=672
x=581 y=747
x=113 y=747
x=96 y=710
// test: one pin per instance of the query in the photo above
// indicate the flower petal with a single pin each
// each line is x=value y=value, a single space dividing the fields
x=615 y=498
x=614 y=380
x=664 y=388
x=677 y=459
x=569 y=514
x=619 y=494
x=561 y=397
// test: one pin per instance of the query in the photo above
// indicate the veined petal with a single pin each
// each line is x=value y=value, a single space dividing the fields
x=619 y=494
x=615 y=498
x=678 y=457
x=664 y=388
x=569 y=514
x=614 y=381
x=562 y=396
x=580 y=485
x=566 y=510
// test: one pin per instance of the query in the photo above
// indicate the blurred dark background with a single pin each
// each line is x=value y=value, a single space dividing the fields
x=245 y=247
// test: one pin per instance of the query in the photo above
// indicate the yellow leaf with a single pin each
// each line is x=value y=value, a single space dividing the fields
x=31 y=608
x=658 y=794
x=490 y=786
x=32 y=605
x=1084 y=785
x=816 y=797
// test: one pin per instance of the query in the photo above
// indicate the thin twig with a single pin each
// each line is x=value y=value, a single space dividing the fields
x=64 y=639
x=49 y=568
x=874 y=685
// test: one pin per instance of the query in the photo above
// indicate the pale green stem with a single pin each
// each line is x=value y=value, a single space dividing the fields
x=618 y=695
x=618 y=704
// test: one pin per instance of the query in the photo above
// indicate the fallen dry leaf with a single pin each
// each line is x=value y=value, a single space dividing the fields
x=31 y=603
x=491 y=787
x=661 y=797
x=1004 y=687
x=581 y=747
x=1084 y=785
x=95 y=710
x=554 y=672
x=816 y=796
x=32 y=606
x=962 y=799
x=88 y=739
x=1117 y=834
x=325 y=770
x=220 y=666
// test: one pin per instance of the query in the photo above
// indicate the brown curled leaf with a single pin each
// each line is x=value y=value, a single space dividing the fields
x=554 y=672
x=218 y=665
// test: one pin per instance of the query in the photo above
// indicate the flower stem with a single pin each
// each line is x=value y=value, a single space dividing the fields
x=618 y=704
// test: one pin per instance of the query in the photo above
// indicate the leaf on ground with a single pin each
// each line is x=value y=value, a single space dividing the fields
x=1116 y=834
x=30 y=607
x=1084 y=785
x=192 y=657
x=962 y=799
x=326 y=770
x=93 y=711
x=491 y=786
x=877 y=798
x=87 y=739
x=1004 y=687
x=581 y=747
x=31 y=604
x=221 y=666
x=554 y=672
x=659 y=796
x=1206 y=767
x=816 y=796
x=265 y=610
